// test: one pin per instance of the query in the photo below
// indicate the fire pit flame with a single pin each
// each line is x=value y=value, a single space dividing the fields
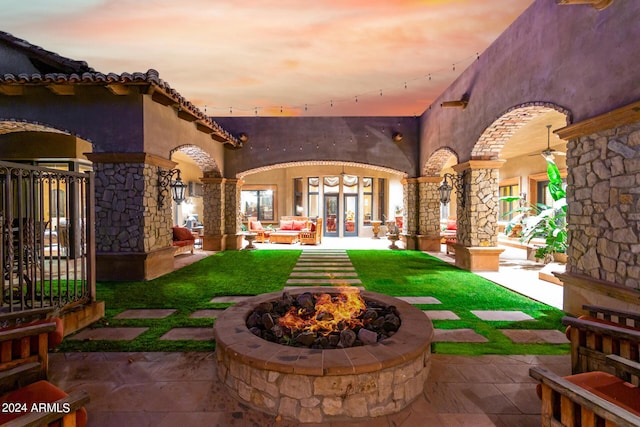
x=329 y=313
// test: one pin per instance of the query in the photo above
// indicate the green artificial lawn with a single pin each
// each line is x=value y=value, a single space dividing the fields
x=396 y=273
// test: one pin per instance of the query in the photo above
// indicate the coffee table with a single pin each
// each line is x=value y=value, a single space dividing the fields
x=284 y=237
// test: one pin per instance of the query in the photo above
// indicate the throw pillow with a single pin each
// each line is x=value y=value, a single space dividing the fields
x=299 y=225
x=256 y=225
x=286 y=225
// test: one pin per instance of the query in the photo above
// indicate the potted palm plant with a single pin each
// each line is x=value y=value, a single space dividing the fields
x=541 y=221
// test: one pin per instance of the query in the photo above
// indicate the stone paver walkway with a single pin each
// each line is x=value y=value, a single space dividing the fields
x=145 y=313
x=169 y=389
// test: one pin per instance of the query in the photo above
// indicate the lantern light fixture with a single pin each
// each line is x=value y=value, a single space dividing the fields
x=166 y=183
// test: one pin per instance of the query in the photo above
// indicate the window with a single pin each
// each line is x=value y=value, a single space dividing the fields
x=505 y=206
x=367 y=200
x=349 y=184
x=298 y=209
x=258 y=203
x=314 y=197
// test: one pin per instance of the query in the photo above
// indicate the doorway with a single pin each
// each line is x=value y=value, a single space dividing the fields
x=350 y=215
x=331 y=215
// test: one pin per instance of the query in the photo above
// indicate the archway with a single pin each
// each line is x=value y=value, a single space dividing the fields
x=347 y=195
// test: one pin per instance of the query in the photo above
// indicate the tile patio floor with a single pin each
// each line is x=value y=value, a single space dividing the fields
x=166 y=389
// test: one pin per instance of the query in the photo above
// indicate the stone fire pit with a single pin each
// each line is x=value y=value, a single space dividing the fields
x=314 y=386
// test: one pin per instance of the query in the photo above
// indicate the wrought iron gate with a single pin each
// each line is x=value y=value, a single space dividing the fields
x=47 y=248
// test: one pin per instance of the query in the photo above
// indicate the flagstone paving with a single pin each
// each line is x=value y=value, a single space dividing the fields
x=109 y=334
x=231 y=298
x=420 y=300
x=535 y=336
x=457 y=335
x=325 y=281
x=323 y=268
x=441 y=315
x=206 y=313
x=323 y=274
x=291 y=288
x=196 y=334
x=145 y=313
x=501 y=315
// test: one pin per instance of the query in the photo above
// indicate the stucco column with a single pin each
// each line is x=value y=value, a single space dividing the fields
x=429 y=213
x=410 y=196
x=212 y=219
x=133 y=231
x=478 y=215
x=231 y=210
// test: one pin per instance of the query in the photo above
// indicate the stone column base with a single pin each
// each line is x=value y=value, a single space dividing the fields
x=477 y=258
x=131 y=266
x=410 y=241
x=580 y=290
x=82 y=316
x=213 y=242
x=429 y=243
x=233 y=242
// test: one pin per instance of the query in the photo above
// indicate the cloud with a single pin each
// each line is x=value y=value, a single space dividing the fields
x=275 y=52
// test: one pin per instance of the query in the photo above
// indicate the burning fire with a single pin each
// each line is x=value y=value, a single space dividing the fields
x=330 y=314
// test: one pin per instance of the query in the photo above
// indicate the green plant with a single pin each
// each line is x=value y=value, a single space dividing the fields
x=542 y=221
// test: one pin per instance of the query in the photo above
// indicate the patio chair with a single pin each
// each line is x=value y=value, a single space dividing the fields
x=314 y=235
x=255 y=226
x=23 y=378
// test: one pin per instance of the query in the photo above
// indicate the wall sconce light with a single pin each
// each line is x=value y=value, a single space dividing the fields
x=597 y=4
x=166 y=182
x=457 y=181
x=397 y=137
x=243 y=137
x=461 y=103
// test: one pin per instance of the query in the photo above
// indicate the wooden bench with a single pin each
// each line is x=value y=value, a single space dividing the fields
x=590 y=399
x=23 y=378
x=604 y=331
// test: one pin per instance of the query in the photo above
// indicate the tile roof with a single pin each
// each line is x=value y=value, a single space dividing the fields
x=78 y=73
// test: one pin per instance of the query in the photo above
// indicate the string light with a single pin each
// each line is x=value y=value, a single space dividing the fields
x=332 y=101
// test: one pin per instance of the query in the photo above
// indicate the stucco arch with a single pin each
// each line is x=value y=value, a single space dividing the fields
x=437 y=160
x=13 y=125
x=242 y=174
x=203 y=159
x=495 y=136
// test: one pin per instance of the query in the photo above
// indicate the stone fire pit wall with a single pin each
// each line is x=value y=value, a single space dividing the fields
x=313 y=386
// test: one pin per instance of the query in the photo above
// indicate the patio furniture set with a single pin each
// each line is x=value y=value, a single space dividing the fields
x=292 y=229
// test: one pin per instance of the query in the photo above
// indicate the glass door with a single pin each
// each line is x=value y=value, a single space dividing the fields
x=350 y=215
x=330 y=215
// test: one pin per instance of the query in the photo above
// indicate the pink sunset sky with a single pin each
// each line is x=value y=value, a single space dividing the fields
x=276 y=57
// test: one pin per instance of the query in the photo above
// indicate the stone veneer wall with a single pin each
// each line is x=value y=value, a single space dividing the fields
x=478 y=218
x=603 y=211
x=128 y=218
x=429 y=214
x=410 y=199
x=213 y=204
x=316 y=399
x=231 y=207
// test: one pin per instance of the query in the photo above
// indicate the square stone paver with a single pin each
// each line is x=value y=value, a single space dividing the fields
x=420 y=300
x=501 y=315
x=207 y=313
x=324 y=281
x=457 y=335
x=109 y=334
x=441 y=315
x=293 y=288
x=146 y=313
x=231 y=298
x=535 y=336
x=197 y=334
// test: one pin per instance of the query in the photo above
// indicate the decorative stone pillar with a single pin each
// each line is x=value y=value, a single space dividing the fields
x=212 y=218
x=133 y=232
x=429 y=213
x=410 y=197
x=477 y=213
x=231 y=210
x=603 y=212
